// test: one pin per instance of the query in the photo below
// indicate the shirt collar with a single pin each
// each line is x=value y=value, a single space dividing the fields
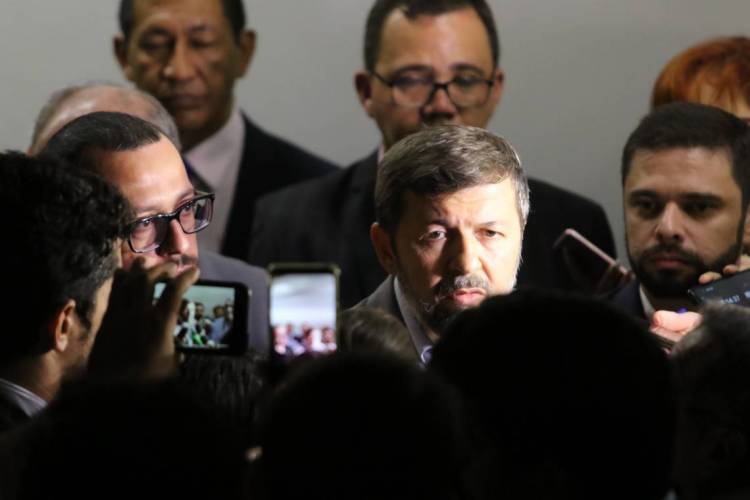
x=419 y=338
x=27 y=401
x=213 y=157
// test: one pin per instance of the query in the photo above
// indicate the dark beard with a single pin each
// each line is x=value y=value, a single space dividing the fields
x=670 y=284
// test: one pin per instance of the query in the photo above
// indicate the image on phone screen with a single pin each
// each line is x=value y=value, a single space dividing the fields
x=205 y=318
x=303 y=313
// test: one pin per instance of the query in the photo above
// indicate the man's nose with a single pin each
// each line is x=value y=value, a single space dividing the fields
x=440 y=104
x=180 y=65
x=669 y=228
x=465 y=258
x=176 y=241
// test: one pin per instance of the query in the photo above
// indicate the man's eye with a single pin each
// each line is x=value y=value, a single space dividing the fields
x=143 y=225
x=466 y=82
x=491 y=234
x=188 y=209
x=646 y=207
x=406 y=82
x=434 y=236
x=202 y=43
x=697 y=208
x=154 y=45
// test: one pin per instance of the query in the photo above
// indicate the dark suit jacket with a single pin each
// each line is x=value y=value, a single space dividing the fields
x=268 y=164
x=328 y=219
x=10 y=415
x=384 y=298
x=628 y=299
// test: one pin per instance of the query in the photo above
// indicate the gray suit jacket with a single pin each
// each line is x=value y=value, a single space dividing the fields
x=214 y=266
x=384 y=297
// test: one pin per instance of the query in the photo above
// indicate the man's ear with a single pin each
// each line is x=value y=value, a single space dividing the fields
x=246 y=45
x=120 y=47
x=62 y=325
x=363 y=86
x=498 y=77
x=383 y=245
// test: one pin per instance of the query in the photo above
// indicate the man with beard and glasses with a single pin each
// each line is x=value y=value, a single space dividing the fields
x=685 y=194
x=451 y=204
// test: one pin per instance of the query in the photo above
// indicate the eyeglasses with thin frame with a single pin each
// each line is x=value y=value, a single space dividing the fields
x=463 y=91
x=148 y=233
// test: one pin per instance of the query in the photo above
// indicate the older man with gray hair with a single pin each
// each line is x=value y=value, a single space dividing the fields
x=451 y=205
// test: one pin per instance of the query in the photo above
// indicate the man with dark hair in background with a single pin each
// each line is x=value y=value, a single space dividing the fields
x=685 y=177
x=451 y=204
x=64 y=229
x=189 y=54
x=137 y=158
x=427 y=62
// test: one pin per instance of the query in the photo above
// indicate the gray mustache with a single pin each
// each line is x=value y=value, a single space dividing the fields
x=448 y=286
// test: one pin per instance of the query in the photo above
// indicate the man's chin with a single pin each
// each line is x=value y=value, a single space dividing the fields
x=441 y=315
x=669 y=284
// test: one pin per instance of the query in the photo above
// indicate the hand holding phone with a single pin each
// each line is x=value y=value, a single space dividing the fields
x=734 y=289
x=136 y=335
x=589 y=267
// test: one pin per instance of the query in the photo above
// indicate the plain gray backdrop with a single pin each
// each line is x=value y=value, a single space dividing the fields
x=578 y=73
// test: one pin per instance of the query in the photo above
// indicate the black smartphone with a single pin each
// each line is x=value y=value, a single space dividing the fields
x=303 y=304
x=212 y=317
x=590 y=268
x=734 y=289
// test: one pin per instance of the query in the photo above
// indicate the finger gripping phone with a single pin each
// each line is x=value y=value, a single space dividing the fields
x=734 y=290
x=212 y=318
x=303 y=309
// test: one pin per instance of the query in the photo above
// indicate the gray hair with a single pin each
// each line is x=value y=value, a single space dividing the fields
x=442 y=160
x=157 y=114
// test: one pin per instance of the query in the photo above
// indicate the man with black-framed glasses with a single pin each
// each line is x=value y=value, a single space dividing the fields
x=426 y=63
x=144 y=164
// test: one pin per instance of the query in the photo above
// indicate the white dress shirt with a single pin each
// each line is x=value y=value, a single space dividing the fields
x=27 y=401
x=217 y=161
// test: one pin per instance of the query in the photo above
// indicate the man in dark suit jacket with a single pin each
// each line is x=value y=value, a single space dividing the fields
x=411 y=80
x=451 y=206
x=685 y=176
x=191 y=67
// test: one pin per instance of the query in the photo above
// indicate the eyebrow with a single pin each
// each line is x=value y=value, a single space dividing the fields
x=443 y=222
x=691 y=196
x=188 y=193
x=429 y=69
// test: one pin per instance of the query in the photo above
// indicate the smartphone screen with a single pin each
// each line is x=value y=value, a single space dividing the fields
x=732 y=290
x=303 y=310
x=212 y=317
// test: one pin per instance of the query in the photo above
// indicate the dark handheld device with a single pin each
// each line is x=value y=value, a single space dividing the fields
x=732 y=290
x=303 y=309
x=590 y=268
x=212 y=317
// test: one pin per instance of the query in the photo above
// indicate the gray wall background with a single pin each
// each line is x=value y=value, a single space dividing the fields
x=578 y=73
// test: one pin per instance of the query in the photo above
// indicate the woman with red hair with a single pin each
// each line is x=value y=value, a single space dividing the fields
x=716 y=72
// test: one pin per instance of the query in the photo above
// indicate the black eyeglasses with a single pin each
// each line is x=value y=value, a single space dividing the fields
x=463 y=91
x=148 y=233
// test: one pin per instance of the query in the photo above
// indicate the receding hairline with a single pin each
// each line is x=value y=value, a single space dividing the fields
x=68 y=96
